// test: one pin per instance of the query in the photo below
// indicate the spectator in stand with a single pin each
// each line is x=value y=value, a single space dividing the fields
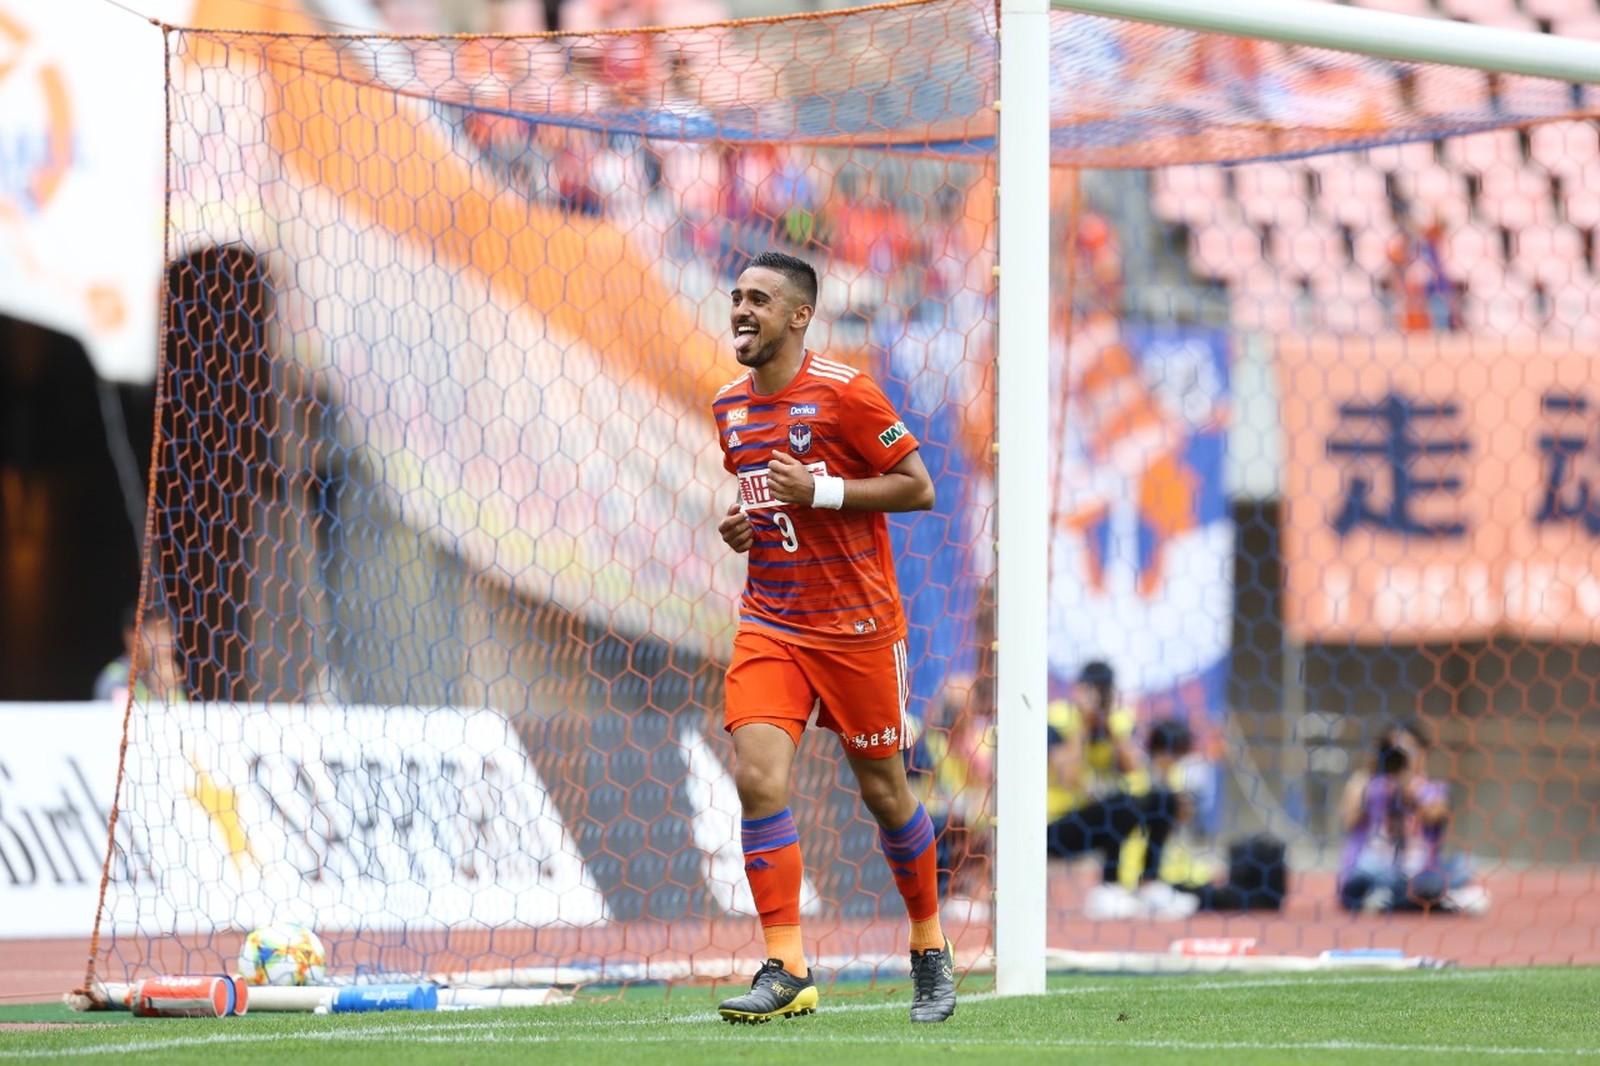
x=1395 y=819
x=1420 y=294
x=160 y=677
x=1101 y=795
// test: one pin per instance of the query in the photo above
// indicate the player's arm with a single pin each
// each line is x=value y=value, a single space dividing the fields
x=906 y=486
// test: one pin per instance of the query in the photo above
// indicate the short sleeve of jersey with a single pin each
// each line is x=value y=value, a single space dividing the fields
x=722 y=443
x=872 y=427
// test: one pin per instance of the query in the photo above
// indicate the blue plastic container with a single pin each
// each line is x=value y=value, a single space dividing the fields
x=385 y=997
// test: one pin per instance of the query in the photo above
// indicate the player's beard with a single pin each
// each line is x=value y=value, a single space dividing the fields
x=758 y=352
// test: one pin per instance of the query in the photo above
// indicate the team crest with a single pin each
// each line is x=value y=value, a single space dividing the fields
x=799 y=438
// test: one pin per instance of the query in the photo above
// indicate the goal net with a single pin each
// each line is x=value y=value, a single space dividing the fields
x=435 y=486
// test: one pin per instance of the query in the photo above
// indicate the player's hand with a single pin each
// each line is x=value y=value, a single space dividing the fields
x=736 y=530
x=789 y=481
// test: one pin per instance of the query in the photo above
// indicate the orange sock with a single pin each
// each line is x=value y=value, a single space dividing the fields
x=784 y=944
x=774 y=869
x=914 y=864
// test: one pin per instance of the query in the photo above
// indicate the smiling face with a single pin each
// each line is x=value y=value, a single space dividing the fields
x=768 y=318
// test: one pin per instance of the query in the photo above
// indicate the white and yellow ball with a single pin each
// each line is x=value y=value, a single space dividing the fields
x=283 y=954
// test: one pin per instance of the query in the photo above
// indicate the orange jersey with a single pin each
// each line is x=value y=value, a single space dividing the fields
x=817 y=577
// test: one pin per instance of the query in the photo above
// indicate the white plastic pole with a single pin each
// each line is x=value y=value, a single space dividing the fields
x=1022 y=515
x=1413 y=38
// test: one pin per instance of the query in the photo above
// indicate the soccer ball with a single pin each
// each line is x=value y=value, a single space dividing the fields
x=282 y=954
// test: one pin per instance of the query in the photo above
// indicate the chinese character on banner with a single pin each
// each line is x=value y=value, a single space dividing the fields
x=1403 y=450
x=1568 y=467
x=1439 y=488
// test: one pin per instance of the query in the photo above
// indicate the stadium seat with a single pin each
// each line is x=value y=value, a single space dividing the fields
x=1484 y=11
x=1225 y=248
x=1557 y=9
x=1268 y=192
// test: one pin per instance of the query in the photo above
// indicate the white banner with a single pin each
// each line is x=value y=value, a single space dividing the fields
x=339 y=817
x=82 y=175
x=58 y=764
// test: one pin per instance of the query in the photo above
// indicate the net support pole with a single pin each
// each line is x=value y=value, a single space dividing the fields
x=1022 y=515
x=1412 y=38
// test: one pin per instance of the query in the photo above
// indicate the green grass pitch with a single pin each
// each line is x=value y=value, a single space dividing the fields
x=1545 y=1015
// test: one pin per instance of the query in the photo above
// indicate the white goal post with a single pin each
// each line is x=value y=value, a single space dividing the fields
x=1023 y=430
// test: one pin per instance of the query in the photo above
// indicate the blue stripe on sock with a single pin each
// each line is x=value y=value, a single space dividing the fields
x=768 y=834
x=910 y=840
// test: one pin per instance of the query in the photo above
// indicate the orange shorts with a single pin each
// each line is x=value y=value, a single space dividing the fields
x=860 y=695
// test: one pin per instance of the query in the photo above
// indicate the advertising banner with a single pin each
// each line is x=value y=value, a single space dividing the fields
x=355 y=817
x=1142 y=544
x=81 y=170
x=1440 y=488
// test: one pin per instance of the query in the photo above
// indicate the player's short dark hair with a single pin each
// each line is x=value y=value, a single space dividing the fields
x=800 y=273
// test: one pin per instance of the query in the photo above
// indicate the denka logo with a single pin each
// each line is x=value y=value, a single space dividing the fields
x=892 y=434
x=802 y=409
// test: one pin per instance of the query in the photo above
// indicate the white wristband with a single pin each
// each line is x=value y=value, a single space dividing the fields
x=827 y=492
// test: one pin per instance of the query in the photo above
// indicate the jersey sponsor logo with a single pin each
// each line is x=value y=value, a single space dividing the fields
x=865 y=626
x=892 y=434
x=733 y=439
x=755 y=493
x=801 y=410
x=738 y=416
x=799 y=438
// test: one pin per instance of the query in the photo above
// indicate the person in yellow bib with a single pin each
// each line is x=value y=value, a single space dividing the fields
x=1101 y=795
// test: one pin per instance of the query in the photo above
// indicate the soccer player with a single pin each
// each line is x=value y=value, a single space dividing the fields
x=821 y=457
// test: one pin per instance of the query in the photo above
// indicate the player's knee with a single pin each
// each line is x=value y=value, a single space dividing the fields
x=762 y=790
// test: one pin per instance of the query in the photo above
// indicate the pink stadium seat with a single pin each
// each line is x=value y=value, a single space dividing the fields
x=1437 y=193
x=1516 y=197
x=1485 y=11
x=1585 y=27
x=1351 y=304
x=1353 y=192
x=1470 y=255
x=1306 y=249
x=1502 y=305
x=1564 y=147
x=1557 y=9
x=1271 y=192
x=1225 y=249
x=1263 y=299
x=1553 y=254
x=1583 y=208
x=1410 y=156
x=1484 y=151
x=1372 y=250
x=1189 y=194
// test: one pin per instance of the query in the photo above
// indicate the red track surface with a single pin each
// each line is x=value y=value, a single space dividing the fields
x=1539 y=917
